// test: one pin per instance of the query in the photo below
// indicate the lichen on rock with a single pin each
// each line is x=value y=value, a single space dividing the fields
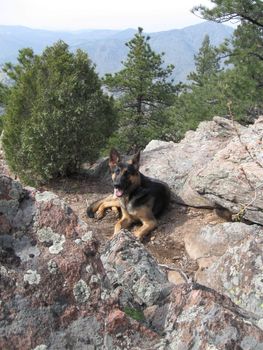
x=32 y=277
x=47 y=235
x=81 y=291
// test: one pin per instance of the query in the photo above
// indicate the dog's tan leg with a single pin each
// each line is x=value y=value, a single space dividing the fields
x=99 y=207
x=149 y=223
x=116 y=211
x=146 y=228
x=124 y=222
x=108 y=203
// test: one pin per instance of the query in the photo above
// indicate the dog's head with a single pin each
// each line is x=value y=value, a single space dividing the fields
x=125 y=174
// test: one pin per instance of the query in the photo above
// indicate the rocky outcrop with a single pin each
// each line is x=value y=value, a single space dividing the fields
x=219 y=165
x=129 y=265
x=53 y=288
x=234 y=178
x=212 y=241
x=58 y=292
x=177 y=163
x=195 y=317
x=237 y=265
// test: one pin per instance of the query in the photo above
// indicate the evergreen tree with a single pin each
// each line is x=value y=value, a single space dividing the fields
x=244 y=51
x=241 y=80
x=57 y=115
x=246 y=11
x=206 y=63
x=143 y=92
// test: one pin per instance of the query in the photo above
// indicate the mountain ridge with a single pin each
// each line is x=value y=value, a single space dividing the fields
x=107 y=49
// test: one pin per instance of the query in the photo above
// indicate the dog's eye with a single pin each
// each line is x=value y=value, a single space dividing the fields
x=117 y=171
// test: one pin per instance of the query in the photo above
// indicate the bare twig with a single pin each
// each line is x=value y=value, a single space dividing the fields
x=187 y=280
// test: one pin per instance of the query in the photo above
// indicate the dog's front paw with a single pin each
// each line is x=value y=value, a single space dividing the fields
x=139 y=235
x=99 y=215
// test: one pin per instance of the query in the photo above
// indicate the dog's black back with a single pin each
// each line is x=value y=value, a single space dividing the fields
x=150 y=191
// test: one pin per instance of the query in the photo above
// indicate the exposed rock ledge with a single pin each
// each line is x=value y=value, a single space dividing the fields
x=57 y=292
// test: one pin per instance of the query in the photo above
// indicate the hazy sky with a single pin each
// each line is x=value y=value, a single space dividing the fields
x=152 y=15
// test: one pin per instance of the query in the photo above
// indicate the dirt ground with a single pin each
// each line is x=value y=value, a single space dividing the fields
x=165 y=243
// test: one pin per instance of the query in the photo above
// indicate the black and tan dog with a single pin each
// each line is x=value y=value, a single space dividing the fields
x=140 y=198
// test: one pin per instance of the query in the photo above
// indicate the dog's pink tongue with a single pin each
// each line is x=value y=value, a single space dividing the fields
x=118 y=192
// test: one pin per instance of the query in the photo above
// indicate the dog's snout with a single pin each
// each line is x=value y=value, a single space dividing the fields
x=116 y=185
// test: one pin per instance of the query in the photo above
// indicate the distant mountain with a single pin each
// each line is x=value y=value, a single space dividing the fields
x=107 y=48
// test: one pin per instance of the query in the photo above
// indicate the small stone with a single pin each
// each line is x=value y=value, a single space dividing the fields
x=176 y=257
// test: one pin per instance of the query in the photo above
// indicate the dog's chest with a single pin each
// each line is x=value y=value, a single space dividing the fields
x=127 y=205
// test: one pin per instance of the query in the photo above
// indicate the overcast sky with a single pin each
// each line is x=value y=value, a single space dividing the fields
x=152 y=15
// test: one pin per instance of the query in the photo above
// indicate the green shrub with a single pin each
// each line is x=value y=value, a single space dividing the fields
x=57 y=115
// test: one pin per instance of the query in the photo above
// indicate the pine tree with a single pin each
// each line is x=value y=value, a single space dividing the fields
x=206 y=63
x=244 y=51
x=245 y=11
x=144 y=91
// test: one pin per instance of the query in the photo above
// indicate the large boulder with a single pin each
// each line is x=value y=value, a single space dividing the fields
x=237 y=269
x=196 y=317
x=209 y=243
x=220 y=165
x=129 y=266
x=234 y=178
x=177 y=163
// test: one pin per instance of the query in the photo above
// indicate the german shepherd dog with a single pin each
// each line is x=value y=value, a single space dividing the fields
x=140 y=198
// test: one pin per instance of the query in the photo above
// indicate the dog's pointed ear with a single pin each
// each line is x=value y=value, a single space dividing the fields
x=136 y=160
x=114 y=158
